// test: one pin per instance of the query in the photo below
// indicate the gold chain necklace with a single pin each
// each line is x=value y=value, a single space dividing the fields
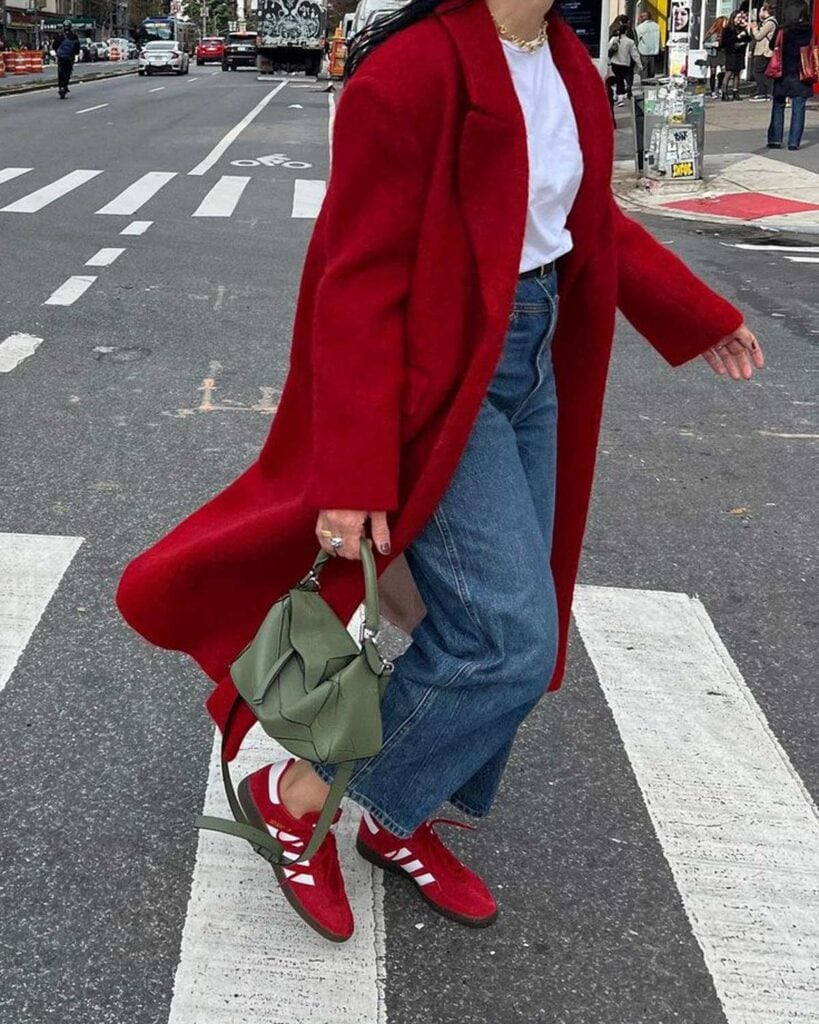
x=527 y=45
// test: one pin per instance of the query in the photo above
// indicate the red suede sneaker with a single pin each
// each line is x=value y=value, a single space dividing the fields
x=315 y=887
x=445 y=883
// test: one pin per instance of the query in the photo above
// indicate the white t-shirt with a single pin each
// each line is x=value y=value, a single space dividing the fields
x=555 y=159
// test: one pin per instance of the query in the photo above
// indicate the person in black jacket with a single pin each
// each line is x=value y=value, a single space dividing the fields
x=67 y=47
x=796 y=34
x=735 y=39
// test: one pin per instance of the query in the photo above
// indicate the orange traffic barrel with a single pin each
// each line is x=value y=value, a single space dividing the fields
x=2 y=66
x=35 y=62
x=20 y=63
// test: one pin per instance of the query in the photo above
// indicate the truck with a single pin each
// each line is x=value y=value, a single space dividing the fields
x=291 y=35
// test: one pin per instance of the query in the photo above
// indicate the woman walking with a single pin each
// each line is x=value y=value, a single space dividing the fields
x=624 y=57
x=735 y=38
x=451 y=413
x=797 y=33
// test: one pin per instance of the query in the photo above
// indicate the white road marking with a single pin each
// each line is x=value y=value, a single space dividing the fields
x=215 y=73
x=802 y=259
x=735 y=822
x=222 y=199
x=308 y=195
x=104 y=258
x=136 y=227
x=35 y=201
x=31 y=567
x=159 y=88
x=70 y=290
x=87 y=110
x=771 y=248
x=137 y=194
x=331 y=103
x=9 y=173
x=191 y=81
x=205 y=165
x=15 y=349
x=246 y=955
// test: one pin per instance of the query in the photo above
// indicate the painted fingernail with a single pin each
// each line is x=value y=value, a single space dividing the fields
x=384 y=548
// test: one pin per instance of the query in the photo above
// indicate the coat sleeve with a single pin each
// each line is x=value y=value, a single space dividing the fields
x=664 y=300
x=372 y=210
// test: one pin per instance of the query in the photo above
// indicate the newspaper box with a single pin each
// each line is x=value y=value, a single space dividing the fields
x=671 y=136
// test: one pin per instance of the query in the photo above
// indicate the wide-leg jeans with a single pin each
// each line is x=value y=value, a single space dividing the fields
x=484 y=654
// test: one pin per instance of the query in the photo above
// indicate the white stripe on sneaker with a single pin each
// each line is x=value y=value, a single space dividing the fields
x=413 y=866
x=426 y=879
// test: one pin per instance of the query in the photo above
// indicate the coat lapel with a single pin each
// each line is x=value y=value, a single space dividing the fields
x=493 y=167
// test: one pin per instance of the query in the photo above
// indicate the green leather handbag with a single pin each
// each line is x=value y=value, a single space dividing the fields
x=314 y=690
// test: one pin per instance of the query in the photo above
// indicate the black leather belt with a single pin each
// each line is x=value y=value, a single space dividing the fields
x=543 y=271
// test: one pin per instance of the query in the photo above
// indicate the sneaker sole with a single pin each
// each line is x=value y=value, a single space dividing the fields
x=387 y=865
x=253 y=816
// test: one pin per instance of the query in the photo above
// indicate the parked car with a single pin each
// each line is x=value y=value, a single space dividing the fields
x=163 y=55
x=91 y=50
x=211 y=48
x=240 y=50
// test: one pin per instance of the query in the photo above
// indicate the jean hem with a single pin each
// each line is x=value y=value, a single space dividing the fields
x=460 y=805
x=380 y=815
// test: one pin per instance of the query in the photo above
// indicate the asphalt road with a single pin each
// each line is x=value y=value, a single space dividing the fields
x=155 y=388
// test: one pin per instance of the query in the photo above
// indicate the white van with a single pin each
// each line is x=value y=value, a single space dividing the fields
x=369 y=11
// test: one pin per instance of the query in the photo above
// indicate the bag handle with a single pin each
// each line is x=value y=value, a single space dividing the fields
x=372 y=610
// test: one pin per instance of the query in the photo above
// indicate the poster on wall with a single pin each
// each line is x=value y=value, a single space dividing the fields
x=584 y=17
x=679 y=22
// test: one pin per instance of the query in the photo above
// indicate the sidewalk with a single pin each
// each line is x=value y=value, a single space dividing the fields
x=745 y=181
x=47 y=79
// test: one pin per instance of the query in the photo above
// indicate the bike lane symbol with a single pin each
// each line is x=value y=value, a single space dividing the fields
x=275 y=160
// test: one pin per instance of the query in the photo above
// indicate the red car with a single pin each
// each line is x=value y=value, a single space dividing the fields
x=211 y=48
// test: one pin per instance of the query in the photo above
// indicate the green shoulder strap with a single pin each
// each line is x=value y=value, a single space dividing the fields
x=263 y=842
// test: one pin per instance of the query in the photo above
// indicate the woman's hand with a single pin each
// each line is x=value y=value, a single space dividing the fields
x=736 y=355
x=349 y=527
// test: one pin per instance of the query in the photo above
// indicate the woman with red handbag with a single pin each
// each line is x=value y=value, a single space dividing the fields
x=795 y=36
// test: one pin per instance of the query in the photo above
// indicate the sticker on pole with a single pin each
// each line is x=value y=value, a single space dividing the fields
x=275 y=160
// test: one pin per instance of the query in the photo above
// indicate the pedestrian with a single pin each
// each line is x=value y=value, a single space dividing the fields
x=648 y=43
x=623 y=57
x=67 y=48
x=735 y=39
x=796 y=34
x=436 y=397
x=764 y=34
x=712 y=43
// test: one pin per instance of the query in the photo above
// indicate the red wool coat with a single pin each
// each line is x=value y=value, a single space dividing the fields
x=402 y=314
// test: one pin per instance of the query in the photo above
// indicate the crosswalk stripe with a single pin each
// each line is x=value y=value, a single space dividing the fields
x=137 y=194
x=70 y=290
x=31 y=567
x=222 y=199
x=10 y=173
x=35 y=201
x=737 y=826
x=104 y=258
x=308 y=195
x=246 y=956
x=136 y=227
x=15 y=349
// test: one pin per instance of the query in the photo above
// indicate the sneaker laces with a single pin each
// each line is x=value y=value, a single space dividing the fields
x=439 y=848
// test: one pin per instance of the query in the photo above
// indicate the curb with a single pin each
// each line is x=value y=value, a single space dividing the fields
x=12 y=90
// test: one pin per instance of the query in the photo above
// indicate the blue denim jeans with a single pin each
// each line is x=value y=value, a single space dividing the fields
x=483 y=655
x=776 y=129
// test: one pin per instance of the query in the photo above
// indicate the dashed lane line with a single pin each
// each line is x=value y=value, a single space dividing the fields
x=104 y=258
x=159 y=88
x=205 y=165
x=737 y=826
x=137 y=194
x=15 y=349
x=10 y=173
x=136 y=227
x=36 y=201
x=87 y=110
x=70 y=290
x=31 y=567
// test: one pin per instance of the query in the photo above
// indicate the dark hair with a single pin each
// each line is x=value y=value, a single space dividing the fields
x=366 y=41
x=796 y=13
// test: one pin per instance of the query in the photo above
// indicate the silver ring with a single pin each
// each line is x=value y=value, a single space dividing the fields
x=336 y=542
